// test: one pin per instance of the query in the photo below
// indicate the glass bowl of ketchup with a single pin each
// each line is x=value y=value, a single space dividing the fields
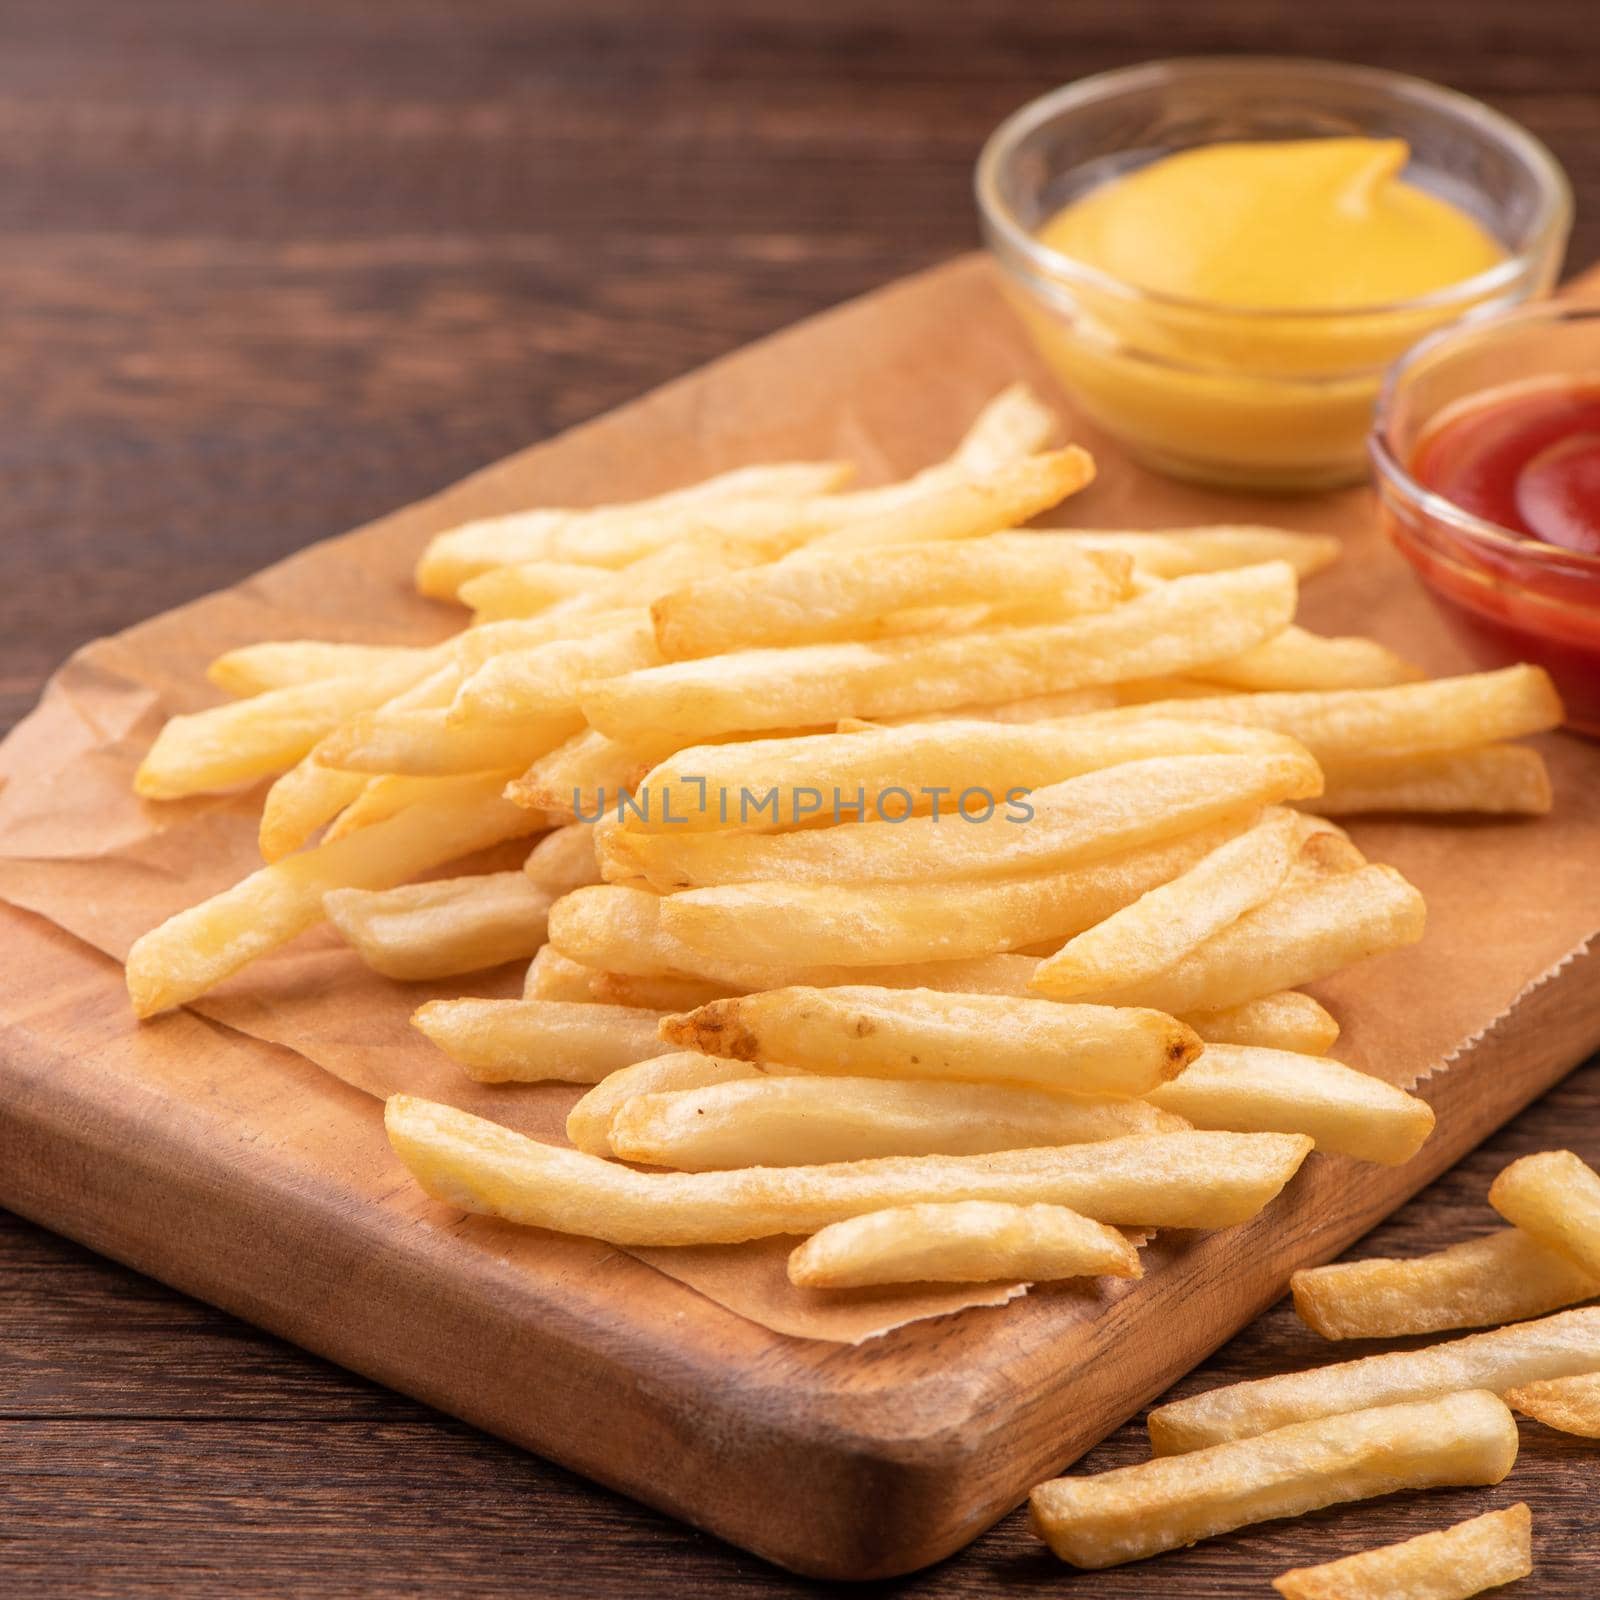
x=1486 y=454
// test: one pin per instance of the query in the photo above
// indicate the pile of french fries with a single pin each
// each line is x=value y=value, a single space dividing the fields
x=935 y=889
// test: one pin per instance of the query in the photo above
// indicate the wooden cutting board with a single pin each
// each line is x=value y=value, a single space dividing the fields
x=240 y=1173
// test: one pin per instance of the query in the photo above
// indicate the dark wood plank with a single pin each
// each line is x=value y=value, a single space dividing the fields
x=271 y=270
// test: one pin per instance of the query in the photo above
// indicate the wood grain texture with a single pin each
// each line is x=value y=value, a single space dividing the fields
x=270 y=270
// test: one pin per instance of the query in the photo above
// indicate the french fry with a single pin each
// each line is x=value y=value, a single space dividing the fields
x=1551 y=1347
x=551 y=976
x=1554 y=1197
x=1249 y=1090
x=963 y=1241
x=196 y=949
x=586 y=776
x=243 y=741
x=924 y=1034
x=658 y=992
x=1570 y=1405
x=310 y=795
x=305 y=798
x=1133 y=1512
x=384 y=797
x=612 y=536
x=534 y=1041
x=1297 y=659
x=589 y=1121
x=1176 y=626
x=959 y=503
x=1348 y=726
x=1034 y=708
x=427 y=744
x=434 y=930
x=1288 y=1020
x=699 y=789
x=527 y=589
x=1180 y=552
x=1178 y=1180
x=775 y=924
x=286 y=664
x=817 y=595
x=1300 y=935
x=1164 y=924
x=1451 y=1564
x=1014 y=424
x=1501 y=1277
x=545 y=682
x=563 y=860
x=886 y=924
x=1496 y=779
x=1084 y=819
x=807 y=1121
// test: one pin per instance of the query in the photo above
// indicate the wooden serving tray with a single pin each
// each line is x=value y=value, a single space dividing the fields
x=241 y=1173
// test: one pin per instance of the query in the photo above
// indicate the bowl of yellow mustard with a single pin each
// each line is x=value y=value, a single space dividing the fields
x=1219 y=258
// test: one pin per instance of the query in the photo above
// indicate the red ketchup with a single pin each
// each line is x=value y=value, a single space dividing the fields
x=1526 y=459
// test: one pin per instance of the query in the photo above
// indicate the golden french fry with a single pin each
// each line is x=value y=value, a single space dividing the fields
x=518 y=685
x=426 y=743
x=196 y=949
x=1348 y=726
x=1297 y=659
x=589 y=1121
x=659 y=992
x=1249 y=1090
x=1452 y=1564
x=756 y=499
x=534 y=1041
x=527 y=589
x=1298 y=936
x=305 y=798
x=238 y=743
x=384 y=797
x=551 y=976
x=1164 y=924
x=1014 y=424
x=1551 y=1347
x=817 y=595
x=1178 y=1180
x=1033 y=708
x=563 y=860
x=962 y=1241
x=586 y=776
x=1553 y=1197
x=869 y=924
x=962 y=504
x=1570 y=1405
x=875 y=1032
x=434 y=930
x=1179 y=552
x=257 y=668
x=1133 y=1512
x=807 y=1121
x=701 y=789
x=1500 y=1277
x=1176 y=626
x=1498 y=779
x=1084 y=819
x=1288 y=1020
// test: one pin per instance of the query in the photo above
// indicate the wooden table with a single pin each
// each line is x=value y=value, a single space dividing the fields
x=269 y=270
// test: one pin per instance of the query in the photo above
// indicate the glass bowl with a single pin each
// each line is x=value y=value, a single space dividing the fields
x=1263 y=399
x=1506 y=596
